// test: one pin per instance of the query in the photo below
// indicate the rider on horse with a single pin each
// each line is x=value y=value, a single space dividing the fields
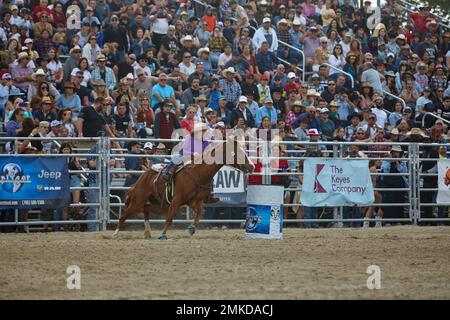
x=193 y=145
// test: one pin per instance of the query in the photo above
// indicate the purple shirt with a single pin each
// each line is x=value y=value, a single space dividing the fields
x=311 y=44
x=19 y=71
x=193 y=145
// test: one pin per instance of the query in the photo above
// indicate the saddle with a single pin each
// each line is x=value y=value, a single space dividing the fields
x=168 y=191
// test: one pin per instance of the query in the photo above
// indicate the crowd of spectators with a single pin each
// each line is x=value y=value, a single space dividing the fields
x=145 y=68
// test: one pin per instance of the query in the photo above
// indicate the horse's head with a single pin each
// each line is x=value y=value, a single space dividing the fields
x=235 y=156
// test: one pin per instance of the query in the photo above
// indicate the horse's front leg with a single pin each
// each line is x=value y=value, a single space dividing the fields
x=198 y=209
x=172 y=209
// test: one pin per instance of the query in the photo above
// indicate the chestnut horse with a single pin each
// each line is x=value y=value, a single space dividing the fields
x=192 y=185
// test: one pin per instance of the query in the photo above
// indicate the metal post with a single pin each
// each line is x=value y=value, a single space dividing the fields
x=417 y=185
x=266 y=162
x=104 y=182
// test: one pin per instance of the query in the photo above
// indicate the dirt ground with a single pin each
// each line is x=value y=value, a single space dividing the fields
x=217 y=264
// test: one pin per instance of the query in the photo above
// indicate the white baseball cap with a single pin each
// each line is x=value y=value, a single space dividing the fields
x=148 y=145
x=220 y=124
x=266 y=19
x=243 y=99
x=291 y=75
x=323 y=110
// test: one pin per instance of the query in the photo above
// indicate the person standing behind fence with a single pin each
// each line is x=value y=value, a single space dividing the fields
x=391 y=182
x=133 y=163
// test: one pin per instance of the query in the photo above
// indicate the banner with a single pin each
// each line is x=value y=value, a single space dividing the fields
x=443 y=195
x=336 y=182
x=264 y=212
x=229 y=187
x=34 y=182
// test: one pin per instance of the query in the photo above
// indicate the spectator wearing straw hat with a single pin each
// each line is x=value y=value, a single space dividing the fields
x=72 y=62
x=44 y=113
x=102 y=72
x=21 y=73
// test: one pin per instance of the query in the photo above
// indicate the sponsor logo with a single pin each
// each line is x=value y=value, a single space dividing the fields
x=12 y=178
x=252 y=219
x=318 y=188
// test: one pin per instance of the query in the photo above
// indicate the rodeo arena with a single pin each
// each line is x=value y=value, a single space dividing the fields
x=224 y=149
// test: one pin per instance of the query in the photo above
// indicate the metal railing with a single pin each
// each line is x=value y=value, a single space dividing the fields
x=303 y=70
x=395 y=97
x=106 y=190
x=341 y=71
x=433 y=115
x=411 y=7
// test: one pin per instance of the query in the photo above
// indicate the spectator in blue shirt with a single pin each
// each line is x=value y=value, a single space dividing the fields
x=265 y=59
x=162 y=91
x=267 y=111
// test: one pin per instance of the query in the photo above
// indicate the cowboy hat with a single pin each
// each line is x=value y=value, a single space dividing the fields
x=366 y=85
x=416 y=132
x=201 y=50
x=202 y=97
x=161 y=146
x=284 y=21
x=22 y=55
x=100 y=83
x=39 y=72
x=312 y=92
x=396 y=149
x=101 y=57
x=75 y=48
x=333 y=103
x=186 y=38
x=228 y=70
x=46 y=100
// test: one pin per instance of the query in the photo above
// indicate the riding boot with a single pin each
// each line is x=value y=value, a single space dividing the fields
x=167 y=174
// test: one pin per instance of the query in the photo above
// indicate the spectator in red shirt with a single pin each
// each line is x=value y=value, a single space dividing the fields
x=43 y=6
x=420 y=18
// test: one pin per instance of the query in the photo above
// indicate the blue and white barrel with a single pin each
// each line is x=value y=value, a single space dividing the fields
x=264 y=212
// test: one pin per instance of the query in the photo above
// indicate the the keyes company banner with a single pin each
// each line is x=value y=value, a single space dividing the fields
x=443 y=181
x=34 y=182
x=229 y=187
x=330 y=182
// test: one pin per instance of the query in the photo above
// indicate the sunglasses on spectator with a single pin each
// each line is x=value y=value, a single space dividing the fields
x=331 y=84
x=163 y=80
x=80 y=77
x=187 y=57
x=44 y=88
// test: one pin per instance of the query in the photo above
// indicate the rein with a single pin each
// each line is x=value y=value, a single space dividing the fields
x=197 y=184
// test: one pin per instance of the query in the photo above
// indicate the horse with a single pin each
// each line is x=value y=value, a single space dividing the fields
x=192 y=185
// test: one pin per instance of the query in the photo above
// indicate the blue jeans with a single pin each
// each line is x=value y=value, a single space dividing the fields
x=310 y=213
x=215 y=59
x=92 y=211
x=356 y=215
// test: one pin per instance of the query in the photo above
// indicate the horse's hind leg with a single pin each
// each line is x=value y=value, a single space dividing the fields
x=147 y=229
x=131 y=207
x=198 y=208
